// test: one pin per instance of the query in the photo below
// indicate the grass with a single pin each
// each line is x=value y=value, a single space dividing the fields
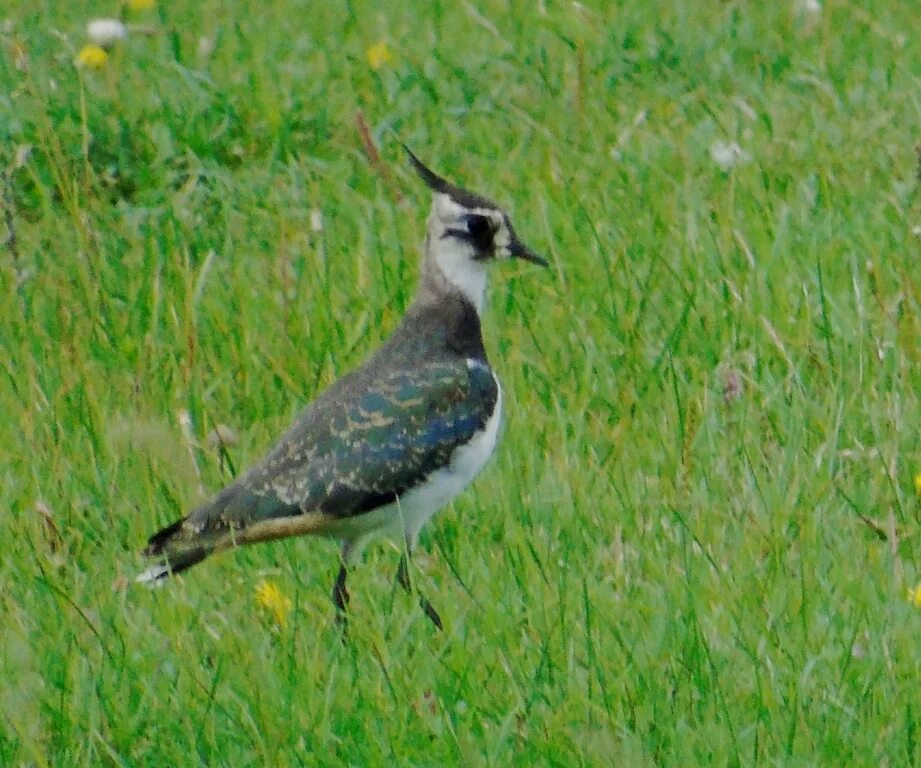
x=695 y=543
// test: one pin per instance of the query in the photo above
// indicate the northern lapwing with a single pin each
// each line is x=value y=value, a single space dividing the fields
x=387 y=445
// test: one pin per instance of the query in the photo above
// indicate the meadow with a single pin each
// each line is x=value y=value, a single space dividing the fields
x=698 y=541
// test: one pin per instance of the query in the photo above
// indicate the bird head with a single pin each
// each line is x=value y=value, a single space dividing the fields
x=466 y=231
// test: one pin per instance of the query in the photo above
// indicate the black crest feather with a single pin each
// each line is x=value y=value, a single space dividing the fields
x=432 y=180
x=442 y=186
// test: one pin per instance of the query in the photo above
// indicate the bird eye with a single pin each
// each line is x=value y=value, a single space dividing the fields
x=481 y=231
x=477 y=225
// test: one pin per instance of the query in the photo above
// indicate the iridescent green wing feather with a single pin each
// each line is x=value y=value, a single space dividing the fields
x=347 y=460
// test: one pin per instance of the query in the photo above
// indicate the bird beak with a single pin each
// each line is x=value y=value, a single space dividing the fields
x=520 y=251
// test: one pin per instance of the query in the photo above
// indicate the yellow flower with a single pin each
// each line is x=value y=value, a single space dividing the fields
x=918 y=484
x=139 y=5
x=914 y=596
x=378 y=55
x=273 y=600
x=91 y=57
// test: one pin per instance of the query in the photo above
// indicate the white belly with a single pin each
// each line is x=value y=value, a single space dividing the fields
x=404 y=519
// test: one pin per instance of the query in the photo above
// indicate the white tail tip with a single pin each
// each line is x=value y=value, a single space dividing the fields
x=153 y=576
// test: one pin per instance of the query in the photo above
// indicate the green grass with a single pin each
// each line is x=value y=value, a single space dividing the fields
x=717 y=379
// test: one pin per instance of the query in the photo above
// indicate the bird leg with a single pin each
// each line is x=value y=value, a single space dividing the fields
x=403 y=574
x=340 y=596
x=403 y=581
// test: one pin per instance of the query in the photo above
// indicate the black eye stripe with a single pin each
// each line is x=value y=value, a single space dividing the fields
x=481 y=230
x=461 y=234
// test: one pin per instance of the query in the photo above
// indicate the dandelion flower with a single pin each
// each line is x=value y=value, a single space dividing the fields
x=918 y=484
x=91 y=57
x=914 y=596
x=106 y=32
x=378 y=55
x=274 y=601
x=139 y=5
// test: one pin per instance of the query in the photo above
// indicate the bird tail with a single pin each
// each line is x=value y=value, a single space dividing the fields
x=176 y=550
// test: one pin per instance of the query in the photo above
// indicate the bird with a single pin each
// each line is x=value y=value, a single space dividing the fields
x=389 y=444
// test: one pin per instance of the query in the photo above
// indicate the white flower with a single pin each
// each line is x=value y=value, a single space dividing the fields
x=726 y=154
x=23 y=152
x=808 y=7
x=106 y=32
x=205 y=47
x=222 y=436
x=316 y=221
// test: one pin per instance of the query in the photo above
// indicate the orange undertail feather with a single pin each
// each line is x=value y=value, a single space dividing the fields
x=178 y=547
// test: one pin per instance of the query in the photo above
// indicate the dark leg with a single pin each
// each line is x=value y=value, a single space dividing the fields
x=341 y=598
x=403 y=574
x=403 y=581
x=430 y=611
x=340 y=592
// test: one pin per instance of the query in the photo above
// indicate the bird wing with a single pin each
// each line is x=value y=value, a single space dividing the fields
x=339 y=461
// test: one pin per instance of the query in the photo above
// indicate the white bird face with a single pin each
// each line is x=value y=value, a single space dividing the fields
x=483 y=233
x=465 y=231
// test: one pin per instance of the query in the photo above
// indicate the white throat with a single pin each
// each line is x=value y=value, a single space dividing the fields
x=452 y=259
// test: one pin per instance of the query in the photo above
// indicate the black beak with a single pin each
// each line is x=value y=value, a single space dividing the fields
x=520 y=251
